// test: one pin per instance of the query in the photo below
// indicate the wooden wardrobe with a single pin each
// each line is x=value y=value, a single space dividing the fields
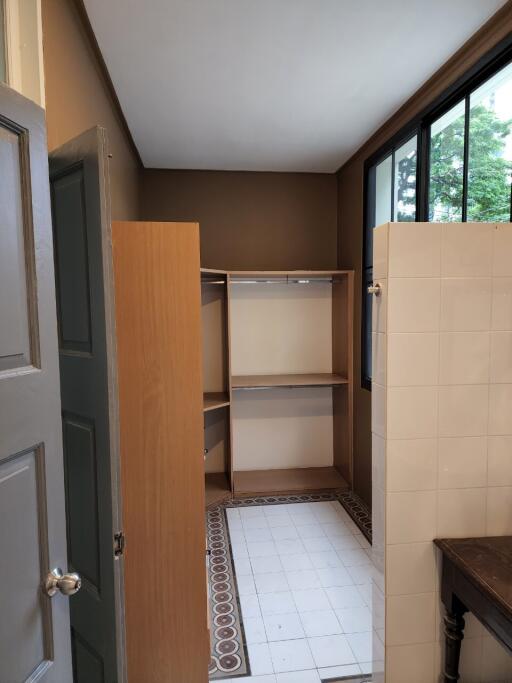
x=158 y=328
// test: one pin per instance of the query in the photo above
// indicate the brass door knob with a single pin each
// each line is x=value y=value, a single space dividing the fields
x=67 y=584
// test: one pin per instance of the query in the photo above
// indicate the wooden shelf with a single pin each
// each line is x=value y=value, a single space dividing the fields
x=268 y=381
x=217 y=488
x=284 y=481
x=214 y=400
x=292 y=274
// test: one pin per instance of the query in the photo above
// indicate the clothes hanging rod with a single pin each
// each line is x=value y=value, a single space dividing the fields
x=213 y=282
x=283 y=281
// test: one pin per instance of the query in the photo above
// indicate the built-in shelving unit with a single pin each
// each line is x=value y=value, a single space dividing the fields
x=277 y=365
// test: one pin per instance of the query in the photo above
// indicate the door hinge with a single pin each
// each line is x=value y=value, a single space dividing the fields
x=119 y=543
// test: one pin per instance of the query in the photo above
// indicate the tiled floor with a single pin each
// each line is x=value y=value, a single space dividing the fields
x=303 y=573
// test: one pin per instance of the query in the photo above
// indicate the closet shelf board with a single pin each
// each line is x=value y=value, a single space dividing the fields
x=268 y=381
x=214 y=400
x=289 y=480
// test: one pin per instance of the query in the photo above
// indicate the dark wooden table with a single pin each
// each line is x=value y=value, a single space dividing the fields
x=477 y=578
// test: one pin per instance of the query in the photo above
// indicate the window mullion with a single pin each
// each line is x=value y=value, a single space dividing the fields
x=465 y=163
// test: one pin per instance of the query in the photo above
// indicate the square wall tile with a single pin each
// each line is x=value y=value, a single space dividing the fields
x=413 y=304
x=465 y=304
x=500 y=409
x=502 y=303
x=461 y=513
x=499 y=511
x=467 y=249
x=496 y=661
x=379 y=409
x=463 y=410
x=464 y=358
x=379 y=358
x=499 y=461
x=410 y=619
x=414 y=249
x=501 y=357
x=412 y=412
x=411 y=464
x=413 y=359
x=502 y=263
x=462 y=462
x=380 y=307
x=378 y=461
x=411 y=517
x=410 y=568
x=380 y=251
x=407 y=663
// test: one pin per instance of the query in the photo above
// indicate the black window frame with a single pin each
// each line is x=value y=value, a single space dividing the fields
x=484 y=69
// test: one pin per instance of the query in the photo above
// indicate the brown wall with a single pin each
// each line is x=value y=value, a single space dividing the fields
x=350 y=213
x=250 y=220
x=78 y=97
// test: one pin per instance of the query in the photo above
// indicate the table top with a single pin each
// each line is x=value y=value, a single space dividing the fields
x=487 y=561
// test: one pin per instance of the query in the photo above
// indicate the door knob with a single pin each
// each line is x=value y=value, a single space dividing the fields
x=67 y=584
x=375 y=289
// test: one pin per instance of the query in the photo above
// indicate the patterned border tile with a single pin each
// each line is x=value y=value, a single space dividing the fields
x=228 y=651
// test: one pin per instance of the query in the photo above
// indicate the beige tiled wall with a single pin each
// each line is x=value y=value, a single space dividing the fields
x=442 y=431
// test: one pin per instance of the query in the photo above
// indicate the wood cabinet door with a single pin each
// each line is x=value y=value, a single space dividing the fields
x=158 y=322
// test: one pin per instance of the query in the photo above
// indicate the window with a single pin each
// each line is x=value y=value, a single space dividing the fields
x=452 y=163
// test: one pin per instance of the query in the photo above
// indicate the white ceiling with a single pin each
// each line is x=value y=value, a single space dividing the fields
x=271 y=85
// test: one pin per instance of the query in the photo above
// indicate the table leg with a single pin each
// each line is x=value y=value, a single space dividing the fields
x=454 y=633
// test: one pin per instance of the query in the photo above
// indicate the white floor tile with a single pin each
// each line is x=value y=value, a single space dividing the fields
x=361 y=573
x=311 y=600
x=273 y=582
x=299 y=677
x=237 y=536
x=303 y=579
x=296 y=562
x=242 y=566
x=337 y=672
x=277 y=603
x=303 y=517
x=266 y=565
x=355 y=619
x=320 y=623
x=326 y=516
x=232 y=513
x=291 y=655
x=245 y=585
x=334 y=576
x=353 y=558
x=252 y=535
x=234 y=523
x=283 y=627
x=250 y=606
x=252 y=511
x=365 y=591
x=331 y=651
x=344 y=596
x=366 y=667
x=261 y=548
x=284 y=533
x=290 y=547
x=342 y=543
x=270 y=678
x=317 y=545
x=259 y=522
x=239 y=550
x=365 y=545
x=275 y=510
x=311 y=531
x=260 y=659
x=361 y=644
x=325 y=559
x=335 y=529
x=254 y=630
x=279 y=520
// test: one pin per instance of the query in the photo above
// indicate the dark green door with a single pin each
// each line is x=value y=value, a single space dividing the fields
x=83 y=266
